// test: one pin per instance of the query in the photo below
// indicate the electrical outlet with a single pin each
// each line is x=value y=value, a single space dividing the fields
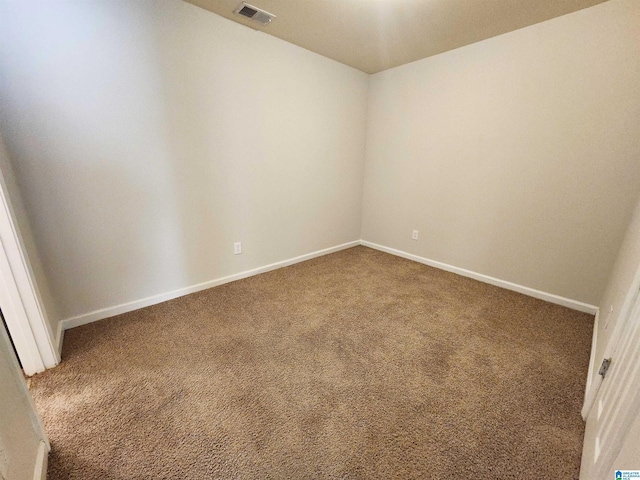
x=414 y=235
x=237 y=248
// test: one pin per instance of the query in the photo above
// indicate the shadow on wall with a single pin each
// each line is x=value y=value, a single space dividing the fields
x=90 y=151
x=122 y=177
x=148 y=137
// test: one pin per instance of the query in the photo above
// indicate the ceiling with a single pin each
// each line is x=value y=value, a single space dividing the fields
x=374 y=35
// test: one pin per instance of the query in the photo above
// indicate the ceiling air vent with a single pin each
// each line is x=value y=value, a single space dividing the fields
x=254 y=13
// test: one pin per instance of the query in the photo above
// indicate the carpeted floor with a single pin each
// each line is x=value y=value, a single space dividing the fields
x=354 y=365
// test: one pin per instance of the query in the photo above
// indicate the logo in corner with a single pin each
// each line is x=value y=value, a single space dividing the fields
x=627 y=474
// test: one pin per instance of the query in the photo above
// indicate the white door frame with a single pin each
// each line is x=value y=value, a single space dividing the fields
x=40 y=466
x=617 y=402
x=20 y=300
x=593 y=384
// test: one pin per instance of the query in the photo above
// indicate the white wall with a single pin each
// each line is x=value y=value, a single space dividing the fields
x=147 y=137
x=517 y=157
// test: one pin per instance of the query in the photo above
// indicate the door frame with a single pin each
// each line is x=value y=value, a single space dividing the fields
x=20 y=300
x=597 y=458
x=36 y=422
x=593 y=384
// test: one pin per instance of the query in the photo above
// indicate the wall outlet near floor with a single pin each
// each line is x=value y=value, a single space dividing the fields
x=414 y=235
x=237 y=248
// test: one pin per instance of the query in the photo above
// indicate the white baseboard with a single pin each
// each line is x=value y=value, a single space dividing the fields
x=40 y=469
x=163 y=297
x=532 y=292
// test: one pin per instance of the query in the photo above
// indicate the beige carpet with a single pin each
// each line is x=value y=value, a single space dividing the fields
x=354 y=365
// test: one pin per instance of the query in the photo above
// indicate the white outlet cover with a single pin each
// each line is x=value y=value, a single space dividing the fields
x=237 y=248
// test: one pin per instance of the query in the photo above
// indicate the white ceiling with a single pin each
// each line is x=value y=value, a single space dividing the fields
x=374 y=35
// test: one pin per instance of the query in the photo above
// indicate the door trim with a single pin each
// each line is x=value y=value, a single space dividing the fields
x=593 y=386
x=20 y=299
x=617 y=403
x=20 y=381
x=40 y=470
x=591 y=390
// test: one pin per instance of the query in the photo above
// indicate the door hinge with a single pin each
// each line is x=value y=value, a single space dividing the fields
x=604 y=368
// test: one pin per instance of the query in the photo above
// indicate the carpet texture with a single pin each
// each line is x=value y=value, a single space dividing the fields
x=354 y=365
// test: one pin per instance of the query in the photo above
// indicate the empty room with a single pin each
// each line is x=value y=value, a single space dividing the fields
x=308 y=239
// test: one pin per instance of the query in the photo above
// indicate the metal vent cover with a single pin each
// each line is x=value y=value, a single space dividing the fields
x=254 y=13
